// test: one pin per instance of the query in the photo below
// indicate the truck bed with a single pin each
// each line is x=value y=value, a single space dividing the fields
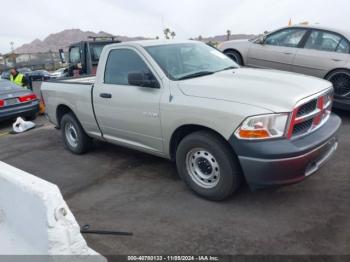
x=75 y=94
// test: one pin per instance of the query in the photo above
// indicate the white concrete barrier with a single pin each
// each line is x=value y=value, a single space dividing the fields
x=34 y=218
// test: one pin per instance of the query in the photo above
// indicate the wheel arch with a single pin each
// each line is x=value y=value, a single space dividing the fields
x=61 y=110
x=186 y=129
x=235 y=50
x=334 y=70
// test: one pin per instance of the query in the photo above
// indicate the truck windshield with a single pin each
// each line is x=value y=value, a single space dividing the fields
x=96 y=51
x=184 y=61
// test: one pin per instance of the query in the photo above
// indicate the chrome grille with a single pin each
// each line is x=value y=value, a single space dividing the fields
x=307 y=108
x=302 y=127
x=310 y=114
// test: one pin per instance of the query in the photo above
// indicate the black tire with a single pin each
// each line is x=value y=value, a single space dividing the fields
x=229 y=178
x=83 y=141
x=235 y=56
x=341 y=81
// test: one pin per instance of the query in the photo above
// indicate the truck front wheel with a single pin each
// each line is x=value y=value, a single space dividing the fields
x=75 y=138
x=207 y=165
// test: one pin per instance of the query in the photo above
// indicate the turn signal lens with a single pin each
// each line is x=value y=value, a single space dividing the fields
x=253 y=134
x=2 y=102
x=27 y=98
x=263 y=127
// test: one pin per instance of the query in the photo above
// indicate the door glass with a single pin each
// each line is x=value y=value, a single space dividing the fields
x=323 y=41
x=343 y=47
x=120 y=63
x=288 y=37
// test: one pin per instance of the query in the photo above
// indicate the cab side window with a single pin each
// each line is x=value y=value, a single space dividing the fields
x=290 y=37
x=120 y=63
x=326 y=41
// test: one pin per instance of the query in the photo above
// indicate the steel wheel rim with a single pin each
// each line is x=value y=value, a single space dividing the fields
x=71 y=134
x=341 y=83
x=203 y=168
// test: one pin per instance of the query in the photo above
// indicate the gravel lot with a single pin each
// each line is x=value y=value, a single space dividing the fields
x=113 y=188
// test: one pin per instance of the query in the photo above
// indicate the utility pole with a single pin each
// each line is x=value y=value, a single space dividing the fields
x=12 y=44
x=13 y=55
x=52 y=60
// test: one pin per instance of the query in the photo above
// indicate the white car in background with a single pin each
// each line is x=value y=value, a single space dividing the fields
x=59 y=73
x=311 y=50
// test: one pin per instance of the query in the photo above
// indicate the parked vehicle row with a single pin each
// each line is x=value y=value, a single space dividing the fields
x=188 y=102
x=316 y=51
x=24 y=71
x=37 y=75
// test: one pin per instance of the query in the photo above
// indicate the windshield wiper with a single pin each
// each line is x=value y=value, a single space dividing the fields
x=197 y=74
x=227 y=68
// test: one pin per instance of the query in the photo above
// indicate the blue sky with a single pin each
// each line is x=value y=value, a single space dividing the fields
x=31 y=19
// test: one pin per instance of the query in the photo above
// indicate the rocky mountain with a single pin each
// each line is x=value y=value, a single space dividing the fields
x=63 y=39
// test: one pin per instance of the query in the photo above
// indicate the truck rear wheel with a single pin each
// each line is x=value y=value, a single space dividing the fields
x=207 y=165
x=75 y=138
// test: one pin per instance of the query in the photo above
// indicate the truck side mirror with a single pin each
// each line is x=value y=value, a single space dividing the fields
x=142 y=79
x=62 y=56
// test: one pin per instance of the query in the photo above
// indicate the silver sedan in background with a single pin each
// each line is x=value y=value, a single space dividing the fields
x=311 y=50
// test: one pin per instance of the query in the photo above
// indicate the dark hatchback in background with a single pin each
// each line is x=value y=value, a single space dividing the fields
x=39 y=75
x=17 y=101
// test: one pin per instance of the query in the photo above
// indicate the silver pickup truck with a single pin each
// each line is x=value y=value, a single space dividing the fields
x=188 y=102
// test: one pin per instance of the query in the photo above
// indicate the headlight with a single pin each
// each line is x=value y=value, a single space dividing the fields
x=263 y=127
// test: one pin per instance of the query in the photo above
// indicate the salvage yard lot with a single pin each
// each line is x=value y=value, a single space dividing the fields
x=113 y=188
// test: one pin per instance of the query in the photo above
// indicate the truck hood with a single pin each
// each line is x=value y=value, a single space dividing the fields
x=273 y=90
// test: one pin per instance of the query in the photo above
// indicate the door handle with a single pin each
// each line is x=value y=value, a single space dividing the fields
x=336 y=60
x=287 y=53
x=105 y=95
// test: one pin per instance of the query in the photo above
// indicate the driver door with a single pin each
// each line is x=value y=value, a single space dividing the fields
x=278 y=50
x=128 y=114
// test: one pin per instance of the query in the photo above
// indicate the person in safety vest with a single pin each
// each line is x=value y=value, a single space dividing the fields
x=17 y=78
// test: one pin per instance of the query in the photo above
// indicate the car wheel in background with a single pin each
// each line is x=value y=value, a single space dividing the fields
x=75 y=138
x=341 y=82
x=235 y=56
x=207 y=165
